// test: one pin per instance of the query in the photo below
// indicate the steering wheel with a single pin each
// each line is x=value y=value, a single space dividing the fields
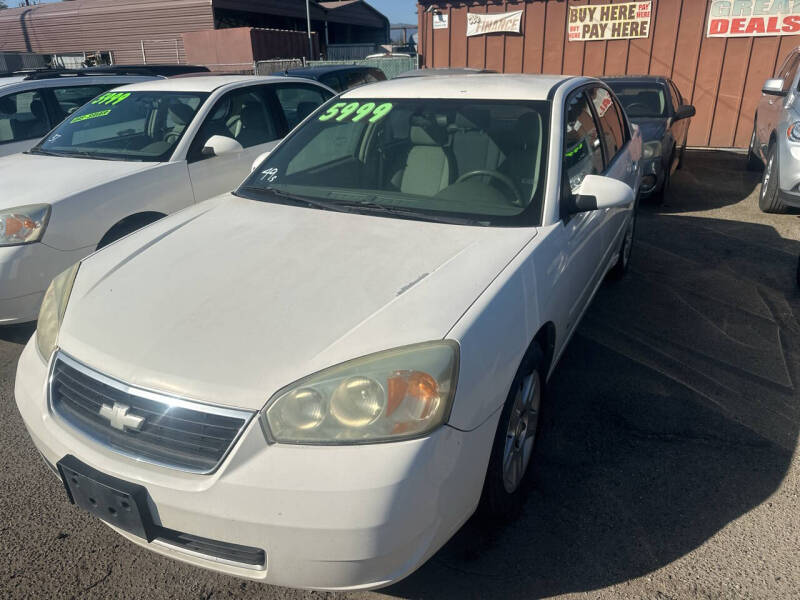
x=637 y=107
x=505 y=180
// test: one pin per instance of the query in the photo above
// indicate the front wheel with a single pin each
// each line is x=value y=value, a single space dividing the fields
x=514 y=443
x=769 y=199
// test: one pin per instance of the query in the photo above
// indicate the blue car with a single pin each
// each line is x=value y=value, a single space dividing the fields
x=657 y=107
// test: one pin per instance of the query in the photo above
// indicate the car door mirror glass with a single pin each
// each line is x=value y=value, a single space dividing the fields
x=219 y=145
x=773 y=87
x=598 y=192
x=685 y=111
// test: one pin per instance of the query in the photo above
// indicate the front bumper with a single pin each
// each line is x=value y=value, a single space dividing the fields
x=25 y=273
x=652 y=177
x=332 y=518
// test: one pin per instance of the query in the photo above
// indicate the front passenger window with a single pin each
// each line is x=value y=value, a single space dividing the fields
x=242 y=115
x=583 y=153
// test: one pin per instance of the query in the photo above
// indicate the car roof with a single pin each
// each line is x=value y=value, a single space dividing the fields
x=483 y=86
x=635 y=79
x=306 y=71
x=27 y=82
x=207 y=83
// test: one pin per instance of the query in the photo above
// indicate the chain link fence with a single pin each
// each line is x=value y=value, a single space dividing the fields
x=391 y=67
x=268 y=67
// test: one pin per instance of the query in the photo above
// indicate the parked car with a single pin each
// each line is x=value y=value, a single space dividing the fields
x=33 y=102
x=150 y=69
x=340 y=77
x=126 y=159
x=314 y=381
x=656 y=105
x=775 y=141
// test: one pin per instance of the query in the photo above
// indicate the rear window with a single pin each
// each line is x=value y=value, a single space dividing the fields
x=644 y=100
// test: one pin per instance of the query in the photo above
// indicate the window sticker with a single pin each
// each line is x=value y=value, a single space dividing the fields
x=355 y=111
x=94 y=115
x=269 y=175
x=112 y=98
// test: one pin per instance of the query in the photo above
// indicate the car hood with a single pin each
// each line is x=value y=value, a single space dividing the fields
x=37 y=179
x=651 y=129
x=229 y=301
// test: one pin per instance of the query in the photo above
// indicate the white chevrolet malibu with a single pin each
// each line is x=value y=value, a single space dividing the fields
x=314 y=381
x=126 y=159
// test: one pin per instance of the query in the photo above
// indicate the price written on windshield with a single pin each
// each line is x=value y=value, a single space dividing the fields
x=356 y=111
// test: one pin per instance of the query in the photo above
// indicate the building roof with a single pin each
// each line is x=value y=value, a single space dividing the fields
x=484 y=86
x=207 y=83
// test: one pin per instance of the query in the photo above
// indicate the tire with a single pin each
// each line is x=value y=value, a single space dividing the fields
x=661 y=195
x=769 y=200
x=754 y=163
x=507 y=476
x=622 y=265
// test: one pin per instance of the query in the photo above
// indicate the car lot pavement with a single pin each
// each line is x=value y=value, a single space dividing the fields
x=667 y=466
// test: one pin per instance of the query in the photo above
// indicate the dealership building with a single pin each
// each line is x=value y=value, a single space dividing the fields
x=718 y=52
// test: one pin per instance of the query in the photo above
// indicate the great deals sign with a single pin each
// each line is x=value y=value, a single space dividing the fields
x=753 y=18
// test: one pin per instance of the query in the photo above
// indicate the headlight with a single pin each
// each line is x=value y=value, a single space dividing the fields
x=392 y=395
x=794 y=131
x=52 y=311
x=651 y=150
x=23 y=225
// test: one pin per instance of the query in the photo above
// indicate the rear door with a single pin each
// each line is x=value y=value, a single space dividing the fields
x=245 y=115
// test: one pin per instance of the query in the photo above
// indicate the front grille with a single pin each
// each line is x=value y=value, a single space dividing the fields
x=174 y=433
x=244 y=556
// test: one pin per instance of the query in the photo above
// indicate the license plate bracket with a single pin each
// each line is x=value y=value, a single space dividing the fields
x=115 y=501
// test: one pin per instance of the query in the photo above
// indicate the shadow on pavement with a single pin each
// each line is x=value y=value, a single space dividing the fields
x=673 y=412
x=17 y=334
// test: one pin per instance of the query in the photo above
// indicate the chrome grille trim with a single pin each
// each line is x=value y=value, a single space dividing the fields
x=183 y=431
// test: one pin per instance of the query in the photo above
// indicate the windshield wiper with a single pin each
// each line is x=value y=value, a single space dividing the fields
x=407 y=213
x=311 y=202
x=75 y=154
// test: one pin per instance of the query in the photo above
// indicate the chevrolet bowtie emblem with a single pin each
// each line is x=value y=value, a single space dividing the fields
x=119 y=418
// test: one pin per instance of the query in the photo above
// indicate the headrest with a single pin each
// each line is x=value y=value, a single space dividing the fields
x=181 y=113
x=253 y=116
x=8 y=106
x=529 y=127
x=37 y=109
x=425 y=133
x=304 y=109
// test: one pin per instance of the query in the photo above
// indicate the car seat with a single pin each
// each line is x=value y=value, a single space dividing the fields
x=429 y=164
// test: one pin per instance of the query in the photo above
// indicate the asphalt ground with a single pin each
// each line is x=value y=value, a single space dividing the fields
x=667 y=465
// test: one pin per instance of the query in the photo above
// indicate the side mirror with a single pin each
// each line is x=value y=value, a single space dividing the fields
x=773 y=87
x=218 y=145
x=598 y=192
x=261 y=158
x=685 y=112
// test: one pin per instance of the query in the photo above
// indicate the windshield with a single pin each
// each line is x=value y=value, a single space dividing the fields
x=472 y=162
x=140 y=126
x=648 y=100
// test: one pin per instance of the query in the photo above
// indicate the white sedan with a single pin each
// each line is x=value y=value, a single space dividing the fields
x=314 y=381
x=127 y=158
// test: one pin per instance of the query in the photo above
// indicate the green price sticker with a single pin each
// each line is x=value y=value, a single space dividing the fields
x=355 y=111
x=112 y=98
x=94 y=115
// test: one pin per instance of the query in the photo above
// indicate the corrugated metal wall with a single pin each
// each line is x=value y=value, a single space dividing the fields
x=122 y=27
x=721 y=77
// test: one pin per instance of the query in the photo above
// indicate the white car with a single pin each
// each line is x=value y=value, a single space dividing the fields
x=126 y=159
x=31 y=104
x=314 y=381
